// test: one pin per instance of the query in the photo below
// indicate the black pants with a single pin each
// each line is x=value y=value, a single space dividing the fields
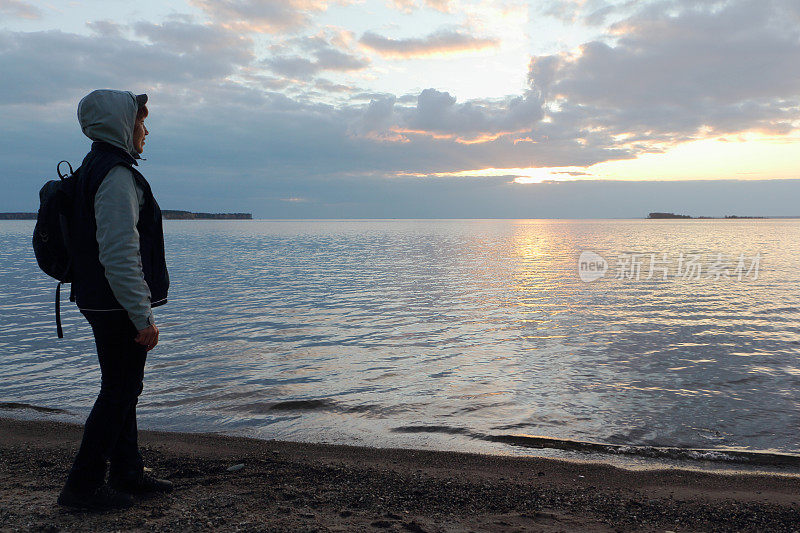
x=110 y=433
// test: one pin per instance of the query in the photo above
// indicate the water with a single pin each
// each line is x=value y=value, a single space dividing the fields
x=474 y=335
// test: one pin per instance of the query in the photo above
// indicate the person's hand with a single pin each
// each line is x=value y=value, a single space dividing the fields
x=148 y=336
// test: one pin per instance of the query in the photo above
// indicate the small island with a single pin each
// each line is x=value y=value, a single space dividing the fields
x=673 y=215
x=17 y=216
x=169 y=214
x=666 y=215
x=172 y=214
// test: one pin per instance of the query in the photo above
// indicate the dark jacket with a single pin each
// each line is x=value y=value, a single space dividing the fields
x=91 y=288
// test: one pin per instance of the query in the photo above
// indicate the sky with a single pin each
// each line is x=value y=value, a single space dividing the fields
x=420 y=108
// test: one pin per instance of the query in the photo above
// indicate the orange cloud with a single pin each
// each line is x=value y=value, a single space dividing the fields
x=263 y=16
x=476 y=139
x=408 y=6
x=440 y=43
x=17 y=8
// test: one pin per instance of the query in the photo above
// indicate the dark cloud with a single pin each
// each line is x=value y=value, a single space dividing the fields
x=438 y=112
x=370 y=96
x=301 y=67
x=19 y=9
x=319 y=53
x=196 y=41
x=105 y=28
x=437 y=43
x=408 y=98
x=42 y=67
x=262 y=81
x=332 y=59
x=675 y=70
x=573 y=173
x=235 y=149
x=378 y=117
x=599 y=16
x=224 y=132
x=588 y=12
x=292 y=66
x=201 y=120
x=331 y=87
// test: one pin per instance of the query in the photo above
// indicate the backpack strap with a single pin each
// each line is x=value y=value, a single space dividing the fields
x=58 y=311
x=58 y=169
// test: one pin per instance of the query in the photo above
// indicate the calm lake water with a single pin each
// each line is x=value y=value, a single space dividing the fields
x=474 y=335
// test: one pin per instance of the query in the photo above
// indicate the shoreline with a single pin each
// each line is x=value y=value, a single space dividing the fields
x=635 y=457
x=290 y=486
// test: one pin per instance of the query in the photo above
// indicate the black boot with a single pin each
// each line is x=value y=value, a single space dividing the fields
x=141 y=484
x=104 y=498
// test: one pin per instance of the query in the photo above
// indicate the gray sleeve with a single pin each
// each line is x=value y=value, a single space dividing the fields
x=116 y=208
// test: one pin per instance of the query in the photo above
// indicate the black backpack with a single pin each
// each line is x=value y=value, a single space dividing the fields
x=51 y=234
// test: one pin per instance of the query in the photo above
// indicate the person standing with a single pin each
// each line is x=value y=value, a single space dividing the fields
x=120 y=274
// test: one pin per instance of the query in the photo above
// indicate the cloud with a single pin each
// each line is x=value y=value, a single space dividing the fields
x=205 y=79
x=442 y=42
x=49 y=66
x=19 y=9
x=105 y=28
x=254 y=78
x=198 y=41
x=588 y=12
x=440 y=5
x=438 y=112
x=331 y=59
x=263 y=16
x=438 y=116
x=324 y=56
x=679 y=70
x=292 y=66
x=378 y=116
x=331 y=87
x=408 y=6
x=668 y=73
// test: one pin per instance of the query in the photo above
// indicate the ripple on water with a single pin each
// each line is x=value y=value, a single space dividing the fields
x=349 y=330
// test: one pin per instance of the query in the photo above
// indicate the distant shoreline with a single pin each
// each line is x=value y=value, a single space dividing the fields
x=659 y=216
x=172 y=214
x=168 y=214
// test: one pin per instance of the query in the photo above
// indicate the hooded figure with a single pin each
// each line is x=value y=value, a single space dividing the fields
x=120 y=274
x=110 y=116
x=118 y=239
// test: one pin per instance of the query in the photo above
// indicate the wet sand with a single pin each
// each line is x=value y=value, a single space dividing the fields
x=285 y=486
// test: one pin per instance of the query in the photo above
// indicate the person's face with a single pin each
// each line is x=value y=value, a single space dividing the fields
x=139 y=133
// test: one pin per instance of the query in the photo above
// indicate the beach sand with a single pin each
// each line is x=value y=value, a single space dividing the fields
x=287 y=486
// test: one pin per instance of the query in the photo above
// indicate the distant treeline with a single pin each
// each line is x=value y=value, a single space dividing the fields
x=167 y=213
x=188 y=215
x=17 y=216
x=673 y=215
x=666 y=215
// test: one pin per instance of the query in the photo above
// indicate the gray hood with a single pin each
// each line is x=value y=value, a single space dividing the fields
x=108 y=116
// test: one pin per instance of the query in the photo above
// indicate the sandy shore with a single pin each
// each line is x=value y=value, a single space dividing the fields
x=286 y=486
